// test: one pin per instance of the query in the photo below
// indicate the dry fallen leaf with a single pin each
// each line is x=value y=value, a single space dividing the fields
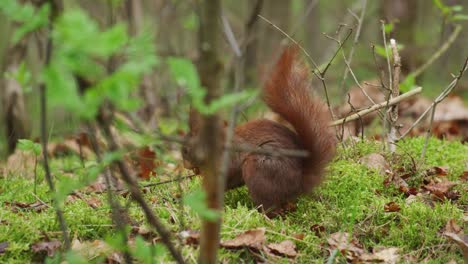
x=20 y=163
x=375 y=161
x=50 y=247
x=441 y=190
x=190 y=237
x=146 y=162
x=391 y=207
x=452 y=227
x=455 y=233
x=91 y=249
x=317 y=229
x=3 y=246
x=285 y=248
x=464 y=176
x=299 y=236
x=251 y=238
x=36 y=206
x=382 y=255
x=347 y=246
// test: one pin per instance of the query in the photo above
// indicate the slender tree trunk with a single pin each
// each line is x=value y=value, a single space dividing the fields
x=14 y=110
x=278 y=12
x=209 y=145
x=135 y=15
x=404 y=14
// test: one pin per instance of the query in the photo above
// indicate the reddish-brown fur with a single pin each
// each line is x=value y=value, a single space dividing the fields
x=274 y=181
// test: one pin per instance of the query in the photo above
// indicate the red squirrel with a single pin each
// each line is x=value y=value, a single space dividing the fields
x=275 y=181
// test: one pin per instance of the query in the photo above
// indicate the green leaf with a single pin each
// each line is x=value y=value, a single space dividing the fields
x=442 y=7
x=228 y=100
x=191 y=21
x=460 y=17
x=197 y=202
x=388 y=28
x=34 y=22
x=185 y=73
x=457 y=8
x=29 y=146
x=25 y=14
x=74 y=258
x=146 y=252
x=22 y=76
x=380 y=50
x=168 y=126
x=408 y=83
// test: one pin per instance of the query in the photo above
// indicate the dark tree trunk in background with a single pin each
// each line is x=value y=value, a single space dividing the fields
x=209 y=143
x=278 y=12
x=14 y=110
x=135 y=16
x=313 y=34
x=404 y=15
x=251 y=63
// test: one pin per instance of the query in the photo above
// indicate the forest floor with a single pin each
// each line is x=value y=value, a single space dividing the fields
x=394 y=208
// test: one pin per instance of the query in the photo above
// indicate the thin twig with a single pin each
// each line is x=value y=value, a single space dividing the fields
x=317 y=70
x=43 y=117
x=356 y=39
x=179 y=178
x=385 y=120
x=375 y=107
x=439 y=98
x=137 y=196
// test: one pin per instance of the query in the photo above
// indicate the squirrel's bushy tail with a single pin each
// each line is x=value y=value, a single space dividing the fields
x=288 y=93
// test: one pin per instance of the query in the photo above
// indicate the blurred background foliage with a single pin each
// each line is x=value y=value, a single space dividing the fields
x=167 y=30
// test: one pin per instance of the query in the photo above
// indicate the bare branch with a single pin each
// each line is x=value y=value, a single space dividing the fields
x=375 y=107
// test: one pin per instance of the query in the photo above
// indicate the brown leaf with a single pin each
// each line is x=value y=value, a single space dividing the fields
x=375 y=161
x=73 y=145
x=436 y=170
x=286 y=248
x=253 y=238
x=50 y=247
x=383 y=255
x=391 y=207
x=451 y=109
x=96 y=187
x=190 y=237
x=3 y=247
x=144 y=232
x=461 y=240
x=146 y=162
x=347 y=246
x=464 y=176
x=20 y=163
x=452 y=227
x=36 y=206
x=93 y=202
x=317 y=229
x=455 y=233
x=299 y=236
x=91 y=249
x=442 y=187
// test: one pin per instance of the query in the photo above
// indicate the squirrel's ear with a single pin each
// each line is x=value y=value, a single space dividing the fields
x=194 y=120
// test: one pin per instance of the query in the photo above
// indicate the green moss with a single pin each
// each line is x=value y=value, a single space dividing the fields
x=351 y=199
